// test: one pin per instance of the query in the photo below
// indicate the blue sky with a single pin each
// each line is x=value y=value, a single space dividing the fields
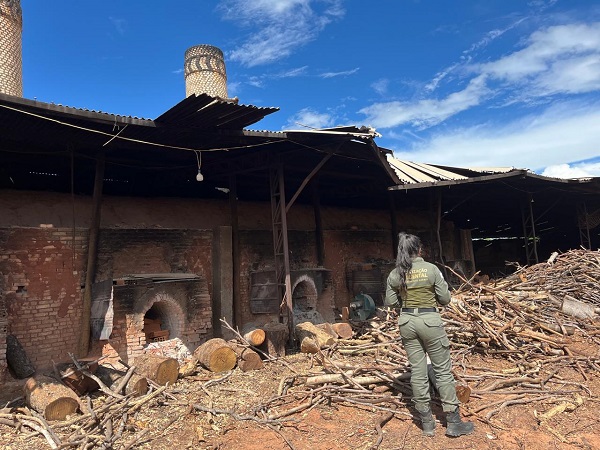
x=456 y=82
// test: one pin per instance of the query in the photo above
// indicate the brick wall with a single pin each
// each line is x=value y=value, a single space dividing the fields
x=41 y=274
x=184 y=306
x=42 y=267
x=125 y=251
x=3 y=332
x=342 y=248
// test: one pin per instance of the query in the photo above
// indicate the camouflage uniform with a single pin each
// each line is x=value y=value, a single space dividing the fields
x=423 y=332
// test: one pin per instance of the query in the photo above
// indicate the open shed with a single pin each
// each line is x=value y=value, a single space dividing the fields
x=512 y=215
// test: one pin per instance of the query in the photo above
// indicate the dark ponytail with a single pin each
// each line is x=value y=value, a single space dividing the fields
x=409 y=246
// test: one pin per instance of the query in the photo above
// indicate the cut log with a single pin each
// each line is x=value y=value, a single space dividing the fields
x=75 y=379
x=157 y=368
x=345 y=314
x=276 y=336
x=50 y=398
x=215 y=355
x=343 y=329
x=578 y=309
x=247 y=359
x=307 y=329
x=309 y=345
x=328 y=328
x=136 y=386
x=343 y=378
x=253 y=334
x=17 y=359
x=463 y=393
x=569 y=330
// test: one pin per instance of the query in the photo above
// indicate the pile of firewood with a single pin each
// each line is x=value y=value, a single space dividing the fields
x=532 y=310
x=526 y=318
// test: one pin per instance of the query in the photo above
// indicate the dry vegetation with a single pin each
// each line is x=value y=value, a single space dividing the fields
x=531 y=365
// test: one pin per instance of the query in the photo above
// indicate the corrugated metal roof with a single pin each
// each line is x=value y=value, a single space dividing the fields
x=204 y=111
x=412 y=173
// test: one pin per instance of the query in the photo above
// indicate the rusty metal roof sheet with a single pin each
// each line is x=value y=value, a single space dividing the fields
x=204 y=111
x=414 y=173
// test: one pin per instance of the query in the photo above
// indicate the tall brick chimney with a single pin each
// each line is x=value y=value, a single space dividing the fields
x=11 y=61
x=205 y=71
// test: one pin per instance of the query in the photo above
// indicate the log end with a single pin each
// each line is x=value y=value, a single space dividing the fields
x=222 y=360
x=50 y=398
x=61 y=408
x=167 y=372
x=255 y=337
x=138 y=387
x=216 y=355
x=309 y=345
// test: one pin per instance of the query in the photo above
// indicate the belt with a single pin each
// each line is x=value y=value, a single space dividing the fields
x=419 y=310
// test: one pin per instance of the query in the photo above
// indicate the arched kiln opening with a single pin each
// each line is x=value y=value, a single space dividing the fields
x=305 y=300
x=162 y=321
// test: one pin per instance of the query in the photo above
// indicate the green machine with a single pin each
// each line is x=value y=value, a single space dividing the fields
x=362 y=307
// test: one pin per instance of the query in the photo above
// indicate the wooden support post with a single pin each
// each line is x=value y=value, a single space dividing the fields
x=319 y=239
x=394 y=223
x=235 y=250
x=92 y=256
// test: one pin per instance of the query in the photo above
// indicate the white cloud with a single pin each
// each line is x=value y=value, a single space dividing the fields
x=234 y=88
x=119 y=24
x=572 y=171
x=559 y=59
x=291 y=73
x=339 y=74
x=555 y=74
x=433 y=84
x=490 y=36
x=310 y=118
x=255 y=82
x=426 y=113
x=381 y=86
x=563 y=133
x=562 y=59
x=278 y=26
x=576 y=75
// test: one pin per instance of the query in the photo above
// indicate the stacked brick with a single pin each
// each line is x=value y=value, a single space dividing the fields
x=41 y=279
x=3 y=333
x=205 y=71
x=186 y=308
x=11 y=64
x=42 y=271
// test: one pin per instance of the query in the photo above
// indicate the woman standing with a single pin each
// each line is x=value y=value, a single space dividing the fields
x=418 y=287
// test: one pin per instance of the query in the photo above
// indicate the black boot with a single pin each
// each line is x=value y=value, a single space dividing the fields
x=456 y=427
x=427 y=422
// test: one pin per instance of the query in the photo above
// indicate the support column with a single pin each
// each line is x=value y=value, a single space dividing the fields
x=235 y=250
x=222 y=283
x=280 y=246
x=584 y=225
x=529 y=230
x=319 y=240
x=394 y=223
x=92 y=258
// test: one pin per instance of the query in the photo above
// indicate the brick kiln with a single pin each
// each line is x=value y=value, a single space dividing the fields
x=136 y=310
x=312 y=294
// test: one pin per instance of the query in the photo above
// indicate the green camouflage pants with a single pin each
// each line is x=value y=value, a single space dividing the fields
x=423 y=334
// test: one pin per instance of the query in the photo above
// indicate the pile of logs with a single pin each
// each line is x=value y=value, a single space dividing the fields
x=530 y=311
x=526 y=319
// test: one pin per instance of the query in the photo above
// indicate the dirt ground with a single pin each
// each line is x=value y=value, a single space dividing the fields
x=173 y=422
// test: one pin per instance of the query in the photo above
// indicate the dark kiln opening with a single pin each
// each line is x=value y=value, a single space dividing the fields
x=158 y=307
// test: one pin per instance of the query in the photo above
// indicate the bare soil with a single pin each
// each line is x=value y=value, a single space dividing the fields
x=176 y=424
